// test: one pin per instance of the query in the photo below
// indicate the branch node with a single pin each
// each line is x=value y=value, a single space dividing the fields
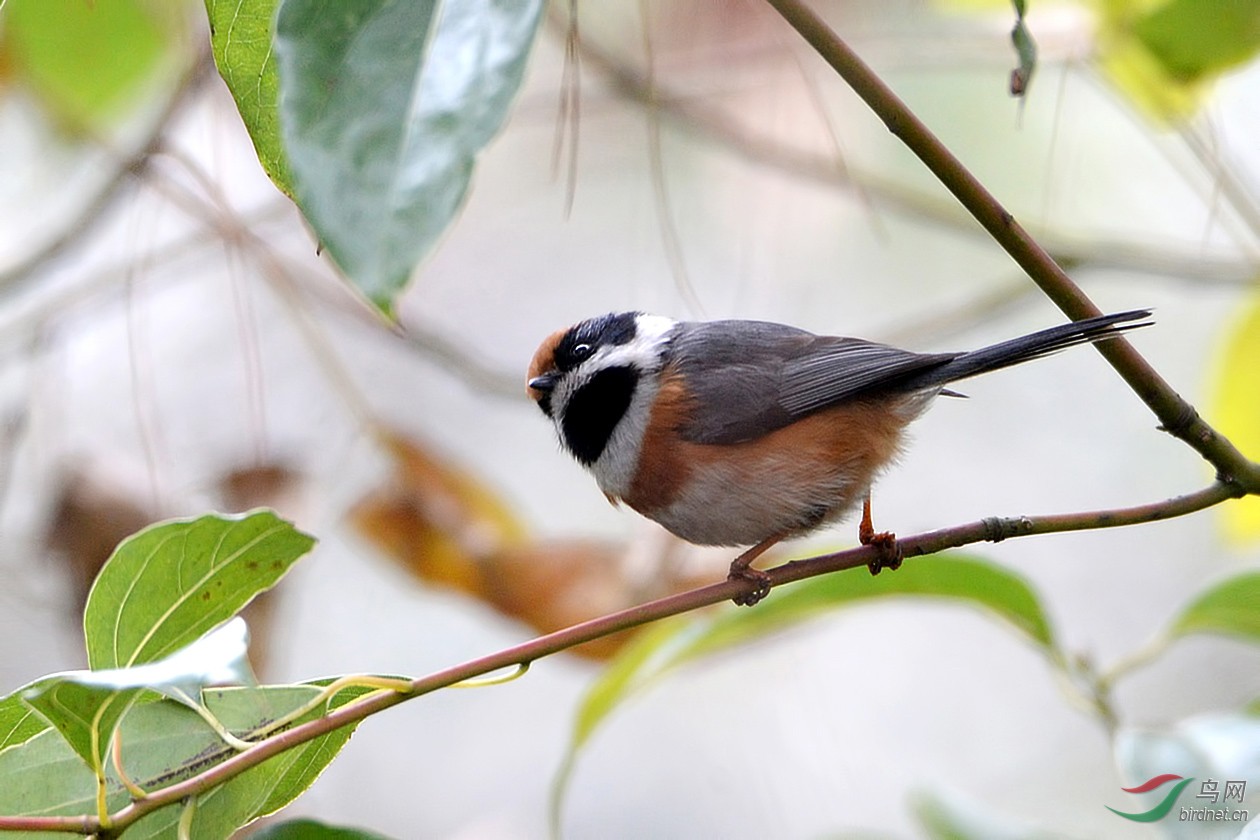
x=1185 y=420
x=998 y=528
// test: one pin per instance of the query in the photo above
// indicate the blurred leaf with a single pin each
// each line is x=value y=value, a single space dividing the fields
x=241 y=33
x=312 y=830
x=665 y=646
x=1230 y=608
x=970 y=580
x=383 y=108
x=643 y=659
x=163 y=743
x=96 y=508
x=447 y=528
x=88 y=61
x=551 y=584
x=168 y=585
x=639 y=662
x=1208 y=747
x=86 y=706
x=1165 y=55
x=950 y=816
x=438 y=521
x=1235 y=409
x=18 y=722
x=1193 y=39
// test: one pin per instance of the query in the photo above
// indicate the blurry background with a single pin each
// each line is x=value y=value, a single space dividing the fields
x=172 y=342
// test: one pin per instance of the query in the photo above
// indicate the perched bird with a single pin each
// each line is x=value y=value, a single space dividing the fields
x=742 y=433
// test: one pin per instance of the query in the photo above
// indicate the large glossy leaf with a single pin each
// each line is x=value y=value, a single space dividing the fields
x=1230 y=608
x=241 y=33
x=384 y=104
x=954 y=578
x=89 y=62
x=168 y=585
x=1235 y=410
x=163 y=742
x=86 y=706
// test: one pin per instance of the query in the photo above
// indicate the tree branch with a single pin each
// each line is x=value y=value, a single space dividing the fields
x=993 y=529
x=712 y=121
x=1176 y=416
x=127 y=168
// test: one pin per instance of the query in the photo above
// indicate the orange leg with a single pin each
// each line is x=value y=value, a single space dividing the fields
x=888 y=550
x=741 y=569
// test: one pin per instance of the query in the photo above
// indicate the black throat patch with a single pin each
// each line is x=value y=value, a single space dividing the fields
x=594 y=411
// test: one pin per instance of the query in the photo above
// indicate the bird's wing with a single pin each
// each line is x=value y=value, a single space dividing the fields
x=749 y=378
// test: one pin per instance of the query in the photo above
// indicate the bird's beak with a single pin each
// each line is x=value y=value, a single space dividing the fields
x=544 y=384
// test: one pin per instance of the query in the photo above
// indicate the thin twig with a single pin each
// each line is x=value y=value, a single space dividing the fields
x=1176 y=416
x=993 y=529
x=700 y=116
x=14 y=277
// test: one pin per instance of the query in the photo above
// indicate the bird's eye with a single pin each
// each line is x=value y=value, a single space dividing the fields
x=582 y=352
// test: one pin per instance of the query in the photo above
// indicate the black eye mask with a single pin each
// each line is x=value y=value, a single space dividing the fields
x=594 y=411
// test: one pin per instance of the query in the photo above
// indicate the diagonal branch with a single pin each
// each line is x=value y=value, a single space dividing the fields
x=1176 y=416
x=993 y=529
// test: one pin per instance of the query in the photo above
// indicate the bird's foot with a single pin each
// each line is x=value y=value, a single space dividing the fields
x=888 y=554
x=742 y=570
x=759 y=579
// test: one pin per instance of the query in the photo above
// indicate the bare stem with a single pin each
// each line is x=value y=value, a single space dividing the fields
x=993 y=529
x=1176 y=416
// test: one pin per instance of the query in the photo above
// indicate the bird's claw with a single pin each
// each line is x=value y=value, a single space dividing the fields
x=888 y=554
x=759 y=579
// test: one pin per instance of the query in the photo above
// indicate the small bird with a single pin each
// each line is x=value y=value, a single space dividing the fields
x=744 y=433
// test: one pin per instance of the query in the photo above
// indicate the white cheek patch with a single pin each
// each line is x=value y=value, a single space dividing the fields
x=615 y=468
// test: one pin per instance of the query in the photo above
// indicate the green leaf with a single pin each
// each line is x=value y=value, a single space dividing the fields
x=19 y=723
x=635 y=664
x=945 y=815
x=44 y=777
x=312 y=830
x=264 y=789
x=163 y=743
x=1235 y=411
x=1000 y=592
x=1231 y=608
x=88 y=61
x=383 y=107
x=86 y=706
x=1193 y=39
x=85 y=715
x=971 y=581
x=166 y=586
x=241 y=33
x=1165 y=55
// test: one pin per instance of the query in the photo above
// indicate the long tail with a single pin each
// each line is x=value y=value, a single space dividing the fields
x=1032 y=346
